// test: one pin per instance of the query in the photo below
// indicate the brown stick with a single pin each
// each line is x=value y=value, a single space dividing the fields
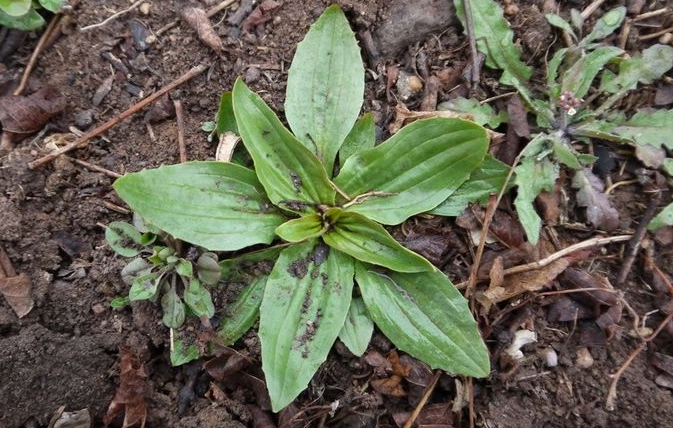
x=634 y=245
x=612 y=392
x=180 y=117
x=473 y=43
x=114 y=121
x=96 y=168
x=424 y=399
x=36 y=54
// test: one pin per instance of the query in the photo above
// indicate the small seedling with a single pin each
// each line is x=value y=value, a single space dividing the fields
x=23 y=14
x=326 y=191
x=158 y=272
x=567 y=113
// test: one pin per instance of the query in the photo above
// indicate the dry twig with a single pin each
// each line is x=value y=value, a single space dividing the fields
x=424 y=399
x=469 y=23
x=634 y=245
x=95 y=168
x=591 y=8
x=36 y=53
x=180 y=118
x=117 y=119
x=112 y=17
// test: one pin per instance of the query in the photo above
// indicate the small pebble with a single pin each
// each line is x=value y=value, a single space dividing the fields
x=83 y=119
x=511 y=9
x=550 y=357
x=666 y=38
x=584 y=359
x=408 y=85
x=252 y=74
x=98 y=309
x=145 y=8
x=151 y=39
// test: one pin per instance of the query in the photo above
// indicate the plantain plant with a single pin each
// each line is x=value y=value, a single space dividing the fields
x=567 y=111
x=23 y=14
x=334 y=269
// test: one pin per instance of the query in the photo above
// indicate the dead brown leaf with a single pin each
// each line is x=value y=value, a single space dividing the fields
x=578 y=278
x=664 y=95
x=161 y=109
x=195 y=16
x=103 y=89
x=663 y=362
x=27 y=114
x=392 y=385
x=130 y=395
x=432 y=416
x=517 y=284
x=17 y=291
x=224 y=366
x=259 y=16
x=565 y=309
x=518 y=117
x=600 y=212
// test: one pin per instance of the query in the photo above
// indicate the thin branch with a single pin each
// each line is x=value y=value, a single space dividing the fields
x=36 y=53
x=591 y=8
x=469 y=23
x=651 y=14
x=112 y=17
x=655 y=35
x=634 y=245
x=96 y=168
x=424 y=399
x=117 y=119
x=180 y=118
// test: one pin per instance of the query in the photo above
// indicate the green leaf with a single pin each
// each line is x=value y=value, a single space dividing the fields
x=219 y=206
x=208 y=270
x=413 y=171
x=174 y=309
x=606 y=25
x=576 y=19
x=325 y=86
x=145 y=287
x=181 y=355
x=305 y=305
x=650 y=66
x=566 y=155
x=532 y=177
x=226 y=120
x=483 y=114
x=577 y=80
x=208 y=126
x=252 y=270
x=561 y=23
x=29 y=22
x=15 y=8
x=184 y=268
x=198 y=299
x=663 y=219
x=301 y=229
x=123 y=238
x=52 y=5
x=424 y=315
x=667 y=166
x=646 y=127
x=292 y=175
x=134 y=269
x=358 y=328
x=485 y=181
x=361 y=137
x=119 y=302
x=553 y=89
x=366 y=240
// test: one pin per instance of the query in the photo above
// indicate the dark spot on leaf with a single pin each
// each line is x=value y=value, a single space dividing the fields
x=296 y=181
x=320 y=253
x=298 y=268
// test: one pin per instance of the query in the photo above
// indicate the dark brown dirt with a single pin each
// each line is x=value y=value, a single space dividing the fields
x=64 y=353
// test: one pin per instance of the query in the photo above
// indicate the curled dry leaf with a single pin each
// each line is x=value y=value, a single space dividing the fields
x=432 y=415
x=600 y=212
x=518 y=117
x=130 y=395
x=259 y=16
x=226 y=146
x=517 y=284
x=27 y=114
x=103 y=89
x=393 y=385
x=194 y=15
x=17 y=291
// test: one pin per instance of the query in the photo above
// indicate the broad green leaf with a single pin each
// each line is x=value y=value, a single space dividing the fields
x=208 y=270
x=198 y=299
x=650 y=66
x=217 y=205
x=28 y=22
x=566 y=155
x=252 y=271
x=485 y=181
x=305 y=305
x=358 y=328
x=119 y=302
x=577 y=80
x=646 y=127
x=606 y=25
x=553 y=88
x=414 y=170
x=184 y=268
x=182 y=354
x=292 y=175
x=495 y=39
x=561 y=23
x=361 y=137
x=145 y=287
x=483 y=114
x=576 y=19
x=532 y=177
x=15 y=8
x=174 y=309
x=123 y=238
x=134 y=269
x=663 y=219
x=368 y=241
x=301 y=229
x=424 y=315
x=226 y=121
x=325 y=86
x=52 y=5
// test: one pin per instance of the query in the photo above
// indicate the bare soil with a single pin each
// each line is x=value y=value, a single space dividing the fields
x=65 y=351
